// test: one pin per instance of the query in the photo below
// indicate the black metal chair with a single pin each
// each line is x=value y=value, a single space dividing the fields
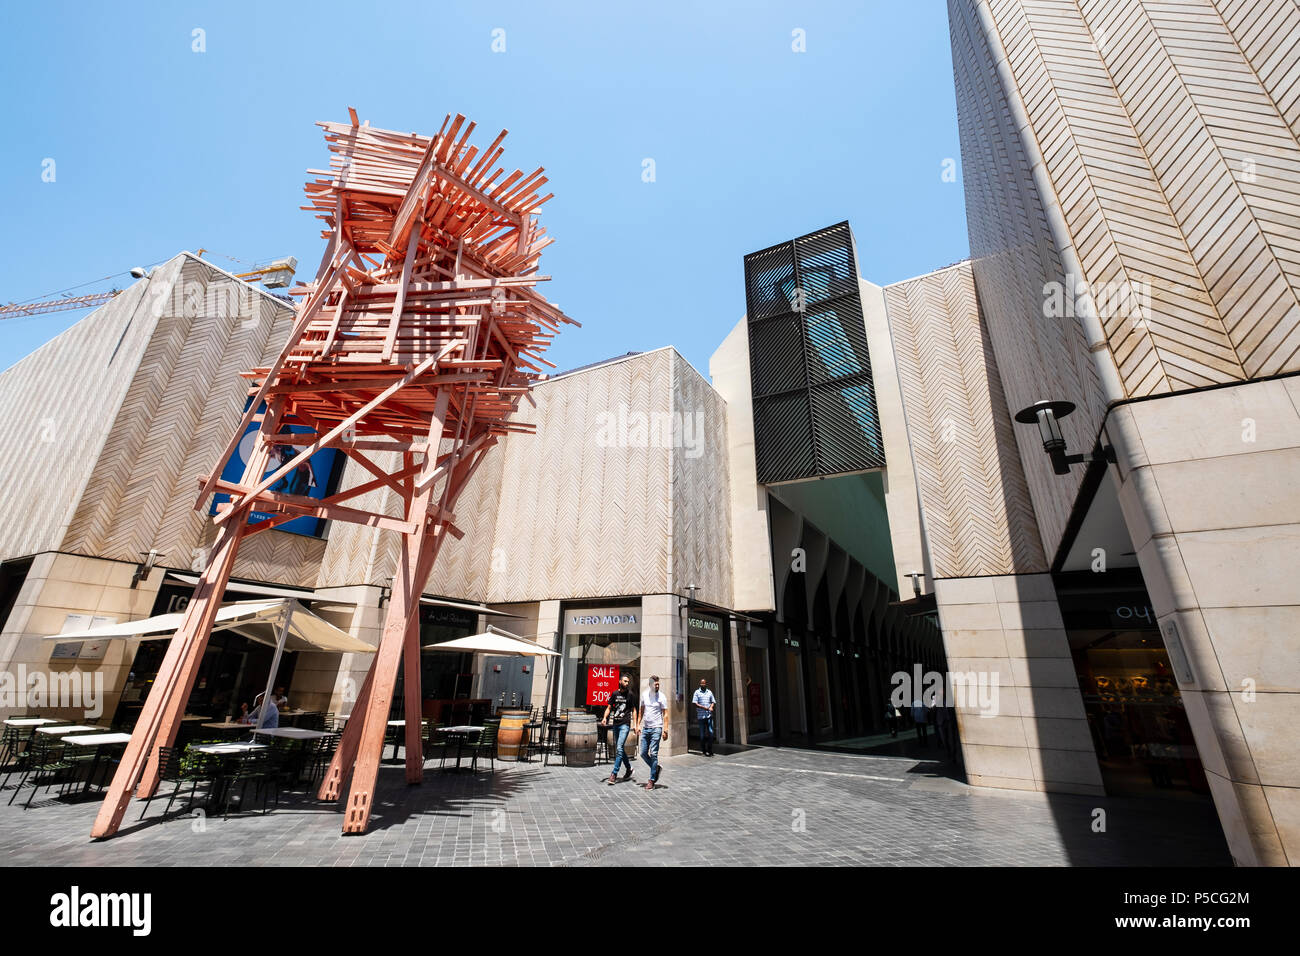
x=436 y=744
x=291 y=758
x=322 y=755
x=532 y=739
x=178 y=767
x=45 y=760
x=554 y=743
x=485 y=743
x=15 y=745
x=393 y=736
x=603 y=744
x=259 y=767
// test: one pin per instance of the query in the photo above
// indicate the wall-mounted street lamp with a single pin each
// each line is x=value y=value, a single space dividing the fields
x=143 y=569
x=1048 y=415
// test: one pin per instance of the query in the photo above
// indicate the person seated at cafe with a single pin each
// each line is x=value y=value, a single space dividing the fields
x=280 y=698
x=272 y=713
x=220 y=701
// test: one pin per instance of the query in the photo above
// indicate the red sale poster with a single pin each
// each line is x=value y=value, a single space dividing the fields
x=602 y=680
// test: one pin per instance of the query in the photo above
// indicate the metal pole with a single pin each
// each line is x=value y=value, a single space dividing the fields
x=275 y=661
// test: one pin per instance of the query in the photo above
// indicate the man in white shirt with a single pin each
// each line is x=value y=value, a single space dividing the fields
x=272 y=720
x=652 y=727
x=705 y=703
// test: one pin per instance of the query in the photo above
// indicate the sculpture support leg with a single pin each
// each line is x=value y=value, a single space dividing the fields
x=166 y=701
x=341 y=763
x=414 y=698
x=405 y=599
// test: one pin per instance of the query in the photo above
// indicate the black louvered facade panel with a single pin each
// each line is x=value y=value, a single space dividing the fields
x=810 y=373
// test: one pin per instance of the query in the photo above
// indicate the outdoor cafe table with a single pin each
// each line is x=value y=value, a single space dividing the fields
x=228 y=749
x=292 y=733
x=70 y=729
x=29 y=721
x=98 y=742
x=225 y=751
x=397 y=742
x=459 y=734
x=226 y=725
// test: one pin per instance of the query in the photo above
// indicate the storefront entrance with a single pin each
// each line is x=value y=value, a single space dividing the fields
x=233 y=670
x=793 y=720
x=1135 y=711
x=446 y=680
x=757 y=683
x=601 y=645
x=822 y=694
x=704 y=659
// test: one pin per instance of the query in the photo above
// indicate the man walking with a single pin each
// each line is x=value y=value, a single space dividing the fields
x=618 y=716
x=650 y=720
x=705 y=703
x=919 y=719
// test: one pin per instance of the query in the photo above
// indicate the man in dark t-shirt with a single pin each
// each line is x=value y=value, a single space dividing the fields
x=619 y=714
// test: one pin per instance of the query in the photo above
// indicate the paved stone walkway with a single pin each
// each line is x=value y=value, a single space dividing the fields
x=761 y=806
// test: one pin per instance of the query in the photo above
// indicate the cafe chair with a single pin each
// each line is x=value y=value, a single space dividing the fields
x=485 y=744
x=604 y=745
x=436 y=744
x=321 y=757
x=532 y=740
x=45 y=761
x=553 y=746
x=15 y=749
x=80 y=760
x=172 y=769
x=258 y=768
x=393 y=736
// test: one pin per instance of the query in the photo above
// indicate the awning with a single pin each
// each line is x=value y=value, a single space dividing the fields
x=266 y=590
x=494 y=641
x=271 y=590
x=256 y=620
x=917 y=606
x=465 y=606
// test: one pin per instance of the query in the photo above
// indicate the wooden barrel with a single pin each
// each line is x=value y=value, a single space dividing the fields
x=512 y=733
x=580 y=740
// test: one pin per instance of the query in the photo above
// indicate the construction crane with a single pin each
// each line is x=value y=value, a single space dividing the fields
x=275 y=275
x=13 y=310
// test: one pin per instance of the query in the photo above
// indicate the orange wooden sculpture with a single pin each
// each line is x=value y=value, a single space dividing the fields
x=409 y=354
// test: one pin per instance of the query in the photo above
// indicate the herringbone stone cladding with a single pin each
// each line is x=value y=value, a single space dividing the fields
x=978 y=516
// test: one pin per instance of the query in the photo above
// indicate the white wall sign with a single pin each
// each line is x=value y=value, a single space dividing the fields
x=81 y=650
x=603 y=620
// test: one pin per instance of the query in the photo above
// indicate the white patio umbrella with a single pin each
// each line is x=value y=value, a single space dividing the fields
x=283 y=624
x=494 y=641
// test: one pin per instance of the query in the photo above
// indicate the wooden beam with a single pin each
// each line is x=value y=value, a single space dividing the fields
x=343 y=426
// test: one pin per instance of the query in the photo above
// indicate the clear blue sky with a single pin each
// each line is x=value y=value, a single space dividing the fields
x=158 y=148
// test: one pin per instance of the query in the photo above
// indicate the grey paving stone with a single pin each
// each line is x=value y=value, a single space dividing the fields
x=770 y=806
